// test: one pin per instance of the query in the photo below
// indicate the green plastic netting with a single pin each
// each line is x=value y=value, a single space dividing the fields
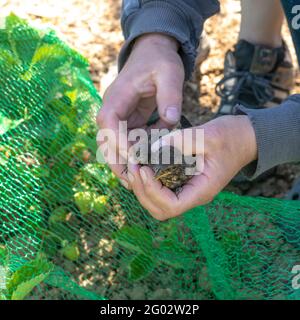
x=68 y=230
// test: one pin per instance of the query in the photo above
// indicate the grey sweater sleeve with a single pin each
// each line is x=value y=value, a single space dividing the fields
x=277 y=133
x=181 y=19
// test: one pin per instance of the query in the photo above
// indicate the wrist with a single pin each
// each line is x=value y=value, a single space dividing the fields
x=246 y=139
x=157 y=39
x=233 y=136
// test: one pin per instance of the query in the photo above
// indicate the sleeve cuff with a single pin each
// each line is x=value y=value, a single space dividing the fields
x=162 y=18
x=277 y=133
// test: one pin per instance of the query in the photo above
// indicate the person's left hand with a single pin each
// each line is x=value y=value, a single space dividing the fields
x=229 y=145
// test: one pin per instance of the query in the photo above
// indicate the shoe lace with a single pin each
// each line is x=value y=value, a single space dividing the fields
x=246 y=82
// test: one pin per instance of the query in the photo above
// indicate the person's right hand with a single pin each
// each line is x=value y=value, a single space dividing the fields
x=228 y=145
x=152 y=78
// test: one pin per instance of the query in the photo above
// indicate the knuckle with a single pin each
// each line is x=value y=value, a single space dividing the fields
x=176 y=212
x=172 y=63
x=159 y=216
x=168 y=67
x=147 y=186
x=116 y=89
x=204 y=201
x=169 y=209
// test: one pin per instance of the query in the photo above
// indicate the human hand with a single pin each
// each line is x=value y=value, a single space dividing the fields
x=229 y=145
x=152 y=78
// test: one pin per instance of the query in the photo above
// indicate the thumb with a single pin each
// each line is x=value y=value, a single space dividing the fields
x=169 y=88
x=189 y=141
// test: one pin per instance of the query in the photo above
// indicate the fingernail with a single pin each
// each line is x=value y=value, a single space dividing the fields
x=124 y=183
x=143 y=175
x=172 y=114
x=130 y=177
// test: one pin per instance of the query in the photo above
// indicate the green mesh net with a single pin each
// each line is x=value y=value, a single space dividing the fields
x=68 y=230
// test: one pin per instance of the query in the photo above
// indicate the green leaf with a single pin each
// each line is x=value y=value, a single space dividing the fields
x=8 y=59
x=96 y=172
x=7 y=124
x=3 y=255
x=78 y=60
x=173 y=254
x=84 y=201
x=68 y=122
x=71 y=251
x=63 y=136
x=141 y=266
x=23 y=39
x=4 y=41
x=2 y=296
x=27 y=277
x=134 y=238
x=58 y=215
x=47 y=58
x=100 y=204
x=62 y=231
x=72 y=95
x=50 y=245
x=48 y=52
x=24 y=288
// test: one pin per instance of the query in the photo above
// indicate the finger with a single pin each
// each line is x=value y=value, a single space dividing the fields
x=143 y=113
x=169 y=95
x=161 y=124
x=163 y=197
x=121 y=173
x=113 y=143
x=120 y=170
x=188 y=141
x=200 y=190
x=138 y=189
x=119 y=101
